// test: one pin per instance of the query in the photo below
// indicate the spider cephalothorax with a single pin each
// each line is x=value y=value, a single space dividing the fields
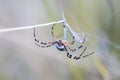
x=62 y=44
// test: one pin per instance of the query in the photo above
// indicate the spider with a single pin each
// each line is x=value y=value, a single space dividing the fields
x=62 y=45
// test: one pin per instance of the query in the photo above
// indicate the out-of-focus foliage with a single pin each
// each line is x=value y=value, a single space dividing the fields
x=21 y=59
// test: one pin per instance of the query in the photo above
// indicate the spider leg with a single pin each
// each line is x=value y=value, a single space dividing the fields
x=79 y=57
x=72 y=38
x=46 y=46
x=83 y=51
x=68 y=54
x=43 y=46
x=75 y=49
x=88 y=54
x=40 y=43
x=52 y=30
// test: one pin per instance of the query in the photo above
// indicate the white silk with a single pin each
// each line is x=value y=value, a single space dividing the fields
x=76 y=35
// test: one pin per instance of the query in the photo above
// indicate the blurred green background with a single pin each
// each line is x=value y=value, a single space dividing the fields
x=21 y=59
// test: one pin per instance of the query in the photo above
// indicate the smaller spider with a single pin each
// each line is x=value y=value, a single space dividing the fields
x=62 y=45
